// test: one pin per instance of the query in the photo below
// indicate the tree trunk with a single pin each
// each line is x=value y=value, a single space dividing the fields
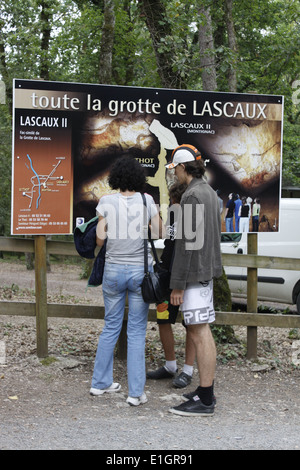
x=45 y=41
x=206 y=46
x=130 y=57
x=4 y=71
x=160 y=29
x=232 y=80
x=107 y=42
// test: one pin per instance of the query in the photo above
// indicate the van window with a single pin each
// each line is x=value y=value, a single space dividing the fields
x=230 y=237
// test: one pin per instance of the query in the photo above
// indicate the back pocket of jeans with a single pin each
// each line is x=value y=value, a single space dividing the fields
x=110 y=283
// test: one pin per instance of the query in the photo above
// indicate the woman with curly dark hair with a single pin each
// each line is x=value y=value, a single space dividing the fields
x=127 y=175
x=121 y=222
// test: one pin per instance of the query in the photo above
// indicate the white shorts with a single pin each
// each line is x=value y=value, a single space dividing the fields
x=198 y=306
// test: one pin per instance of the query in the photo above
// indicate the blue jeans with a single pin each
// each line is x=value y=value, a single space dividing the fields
x=255 y=220
x=119 y=280
x=229 y=224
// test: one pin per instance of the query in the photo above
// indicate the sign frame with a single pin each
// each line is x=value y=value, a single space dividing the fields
x=66 y=136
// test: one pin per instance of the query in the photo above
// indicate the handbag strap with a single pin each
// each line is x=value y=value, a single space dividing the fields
x=144 y=234
x=149 y=237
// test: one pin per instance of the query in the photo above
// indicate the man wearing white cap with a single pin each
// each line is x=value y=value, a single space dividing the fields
x=197 y=260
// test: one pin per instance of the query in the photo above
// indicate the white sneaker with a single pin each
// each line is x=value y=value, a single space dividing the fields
x=114 y=387
x=135 y=401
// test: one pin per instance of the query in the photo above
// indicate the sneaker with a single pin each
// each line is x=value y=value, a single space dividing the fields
x=193 y=407
x=135 y=401
x=114 y=387
x=161 y=373
x=191 y=395
x=182 y=380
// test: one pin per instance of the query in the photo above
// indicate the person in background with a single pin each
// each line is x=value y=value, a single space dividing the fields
x=249 y=202
x=197 y=260
x=121 y=222
x=255 y=215
x=238 y=204
x=167 y=313
x=230 y=206
x=218 y=192
x=244 y=215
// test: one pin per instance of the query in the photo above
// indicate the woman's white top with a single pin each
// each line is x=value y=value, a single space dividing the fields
x=124 y=216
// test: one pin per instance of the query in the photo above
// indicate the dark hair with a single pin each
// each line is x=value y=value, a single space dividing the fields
x=176 y=191
x=127 y=174
x=195 y=169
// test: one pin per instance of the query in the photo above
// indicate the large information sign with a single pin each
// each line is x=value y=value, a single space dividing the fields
x=66 y=136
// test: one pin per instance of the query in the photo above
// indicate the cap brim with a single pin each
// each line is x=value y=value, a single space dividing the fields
x=170 y=166
x=181 y=155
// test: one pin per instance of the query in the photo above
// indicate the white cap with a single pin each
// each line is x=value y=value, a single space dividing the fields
x=183 y=154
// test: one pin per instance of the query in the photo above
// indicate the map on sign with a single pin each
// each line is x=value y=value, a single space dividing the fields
x=42 y=189
x=40 y=181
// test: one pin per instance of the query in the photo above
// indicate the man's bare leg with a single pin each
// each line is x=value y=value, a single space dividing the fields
x=170 y=368
x=168 y=343
x=190 y=352
x=167 y=340
x=205 y=352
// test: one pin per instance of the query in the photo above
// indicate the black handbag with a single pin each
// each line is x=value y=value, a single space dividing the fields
x=155 y=285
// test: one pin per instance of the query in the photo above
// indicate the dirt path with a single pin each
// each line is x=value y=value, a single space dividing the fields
x=46 y=404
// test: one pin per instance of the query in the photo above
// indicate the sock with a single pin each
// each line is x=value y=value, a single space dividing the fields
x=188 y=369
x=206 y=394
x=171 y=366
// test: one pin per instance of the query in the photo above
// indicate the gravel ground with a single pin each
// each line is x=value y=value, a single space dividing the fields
x=45 y=405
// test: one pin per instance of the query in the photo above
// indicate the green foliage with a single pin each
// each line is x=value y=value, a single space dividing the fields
x=223 y=334
x=48 y=361
x=5 y=165
x=294 y=333
x=266 y=60
x=291 y=152
x=75 y=49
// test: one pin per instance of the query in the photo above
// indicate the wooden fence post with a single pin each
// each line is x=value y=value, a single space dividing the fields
x=252 y=298
x=41 y=295
x=122 y=341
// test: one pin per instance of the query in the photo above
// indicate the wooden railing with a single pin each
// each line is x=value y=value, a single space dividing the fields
x=42 y=310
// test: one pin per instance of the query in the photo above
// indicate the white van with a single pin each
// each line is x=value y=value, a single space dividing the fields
x=273 y=284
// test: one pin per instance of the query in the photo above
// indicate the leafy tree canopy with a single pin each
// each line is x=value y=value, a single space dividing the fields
x=253 y=46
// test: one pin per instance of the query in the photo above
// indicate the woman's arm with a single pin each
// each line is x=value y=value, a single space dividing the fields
x=101 y=231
